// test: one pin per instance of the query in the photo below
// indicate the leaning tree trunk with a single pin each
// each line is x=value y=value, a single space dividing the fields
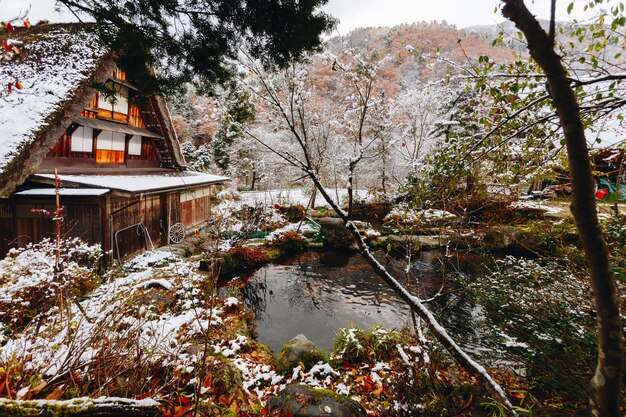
x=608 y=375
x=416 y=305
x=82 y=407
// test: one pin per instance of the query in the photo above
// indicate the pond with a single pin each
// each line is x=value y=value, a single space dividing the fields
x=316 y=293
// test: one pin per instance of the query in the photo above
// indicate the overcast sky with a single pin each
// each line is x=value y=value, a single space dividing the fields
x=353 y=13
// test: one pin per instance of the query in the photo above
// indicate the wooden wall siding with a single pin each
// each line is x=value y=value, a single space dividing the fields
x=105 y=156
x=134 y=116
x=119 y=74
x=7 y=228
x=92 y=114
x=196 y=211
x=148 y=212
x=148 y=152
x=31 y=230
x=63 y=149
x=195 y=205
x=83 y=221
x=175 y=208
x=112 y=115
x=92 y=109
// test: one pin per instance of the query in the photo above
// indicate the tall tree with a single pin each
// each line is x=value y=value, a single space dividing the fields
x=606 y=383
x=185 y=40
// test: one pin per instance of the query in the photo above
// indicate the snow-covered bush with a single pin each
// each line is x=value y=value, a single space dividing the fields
x=406 y=216
x=235 y=220
x=198 y=159
x=150 y=326
x=540 y=314
x=31 y=282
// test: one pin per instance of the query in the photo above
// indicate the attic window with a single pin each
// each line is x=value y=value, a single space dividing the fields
x=82 y=139
x=118 y=102
x=110 y=147
x=134 y=145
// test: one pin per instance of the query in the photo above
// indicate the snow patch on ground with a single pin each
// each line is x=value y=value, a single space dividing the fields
x=297 y=196
x=521 y=204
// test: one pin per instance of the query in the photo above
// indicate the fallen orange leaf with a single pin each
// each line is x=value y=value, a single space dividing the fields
x=180 y=410
x=38 y=388
x=208 y=381
x=56 y=394
x=224 y=400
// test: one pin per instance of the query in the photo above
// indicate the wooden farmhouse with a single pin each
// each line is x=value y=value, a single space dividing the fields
x=68 y=108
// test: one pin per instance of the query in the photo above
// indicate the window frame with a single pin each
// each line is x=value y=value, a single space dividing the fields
x=85 y=141
x=134 y=148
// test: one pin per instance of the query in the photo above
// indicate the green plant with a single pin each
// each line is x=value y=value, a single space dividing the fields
x=354 y=345
x=241 y=258
x=323 y=211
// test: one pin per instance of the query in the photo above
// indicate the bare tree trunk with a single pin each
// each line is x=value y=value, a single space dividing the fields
x=253 y=181
x=608 y=376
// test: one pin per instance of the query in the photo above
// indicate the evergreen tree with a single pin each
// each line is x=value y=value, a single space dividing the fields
x=166 y=42
x=239 y=111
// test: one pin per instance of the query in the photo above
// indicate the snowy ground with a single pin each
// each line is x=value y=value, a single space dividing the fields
x=299 y=196
x=148 y=323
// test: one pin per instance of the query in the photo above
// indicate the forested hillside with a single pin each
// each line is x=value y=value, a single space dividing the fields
x=412 y=60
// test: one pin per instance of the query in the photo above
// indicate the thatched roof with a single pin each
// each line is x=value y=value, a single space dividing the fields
x=58 y=66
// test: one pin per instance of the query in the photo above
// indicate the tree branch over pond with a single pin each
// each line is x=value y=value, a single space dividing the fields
x=291 y=84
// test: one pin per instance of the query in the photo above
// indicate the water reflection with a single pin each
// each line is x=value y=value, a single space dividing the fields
x=318 y=293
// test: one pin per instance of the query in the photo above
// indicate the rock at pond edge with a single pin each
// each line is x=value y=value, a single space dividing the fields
x=305 y=401
x=299 y=349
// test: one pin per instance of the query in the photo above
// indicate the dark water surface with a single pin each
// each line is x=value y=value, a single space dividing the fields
x=316 y=293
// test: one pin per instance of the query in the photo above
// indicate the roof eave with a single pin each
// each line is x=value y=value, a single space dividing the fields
x=134 y=193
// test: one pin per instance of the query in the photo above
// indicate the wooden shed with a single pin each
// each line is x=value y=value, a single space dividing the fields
x=123 y=181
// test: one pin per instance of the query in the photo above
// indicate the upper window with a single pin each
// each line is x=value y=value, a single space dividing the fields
x=82 y=139
x=134 y=145
x=110 y=147
x=111 y=141
x=117 y=102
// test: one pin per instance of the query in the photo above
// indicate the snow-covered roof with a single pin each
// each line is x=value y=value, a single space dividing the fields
x=58 y=67
x=53 y=62
x=64 y=192
x=140 y=183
